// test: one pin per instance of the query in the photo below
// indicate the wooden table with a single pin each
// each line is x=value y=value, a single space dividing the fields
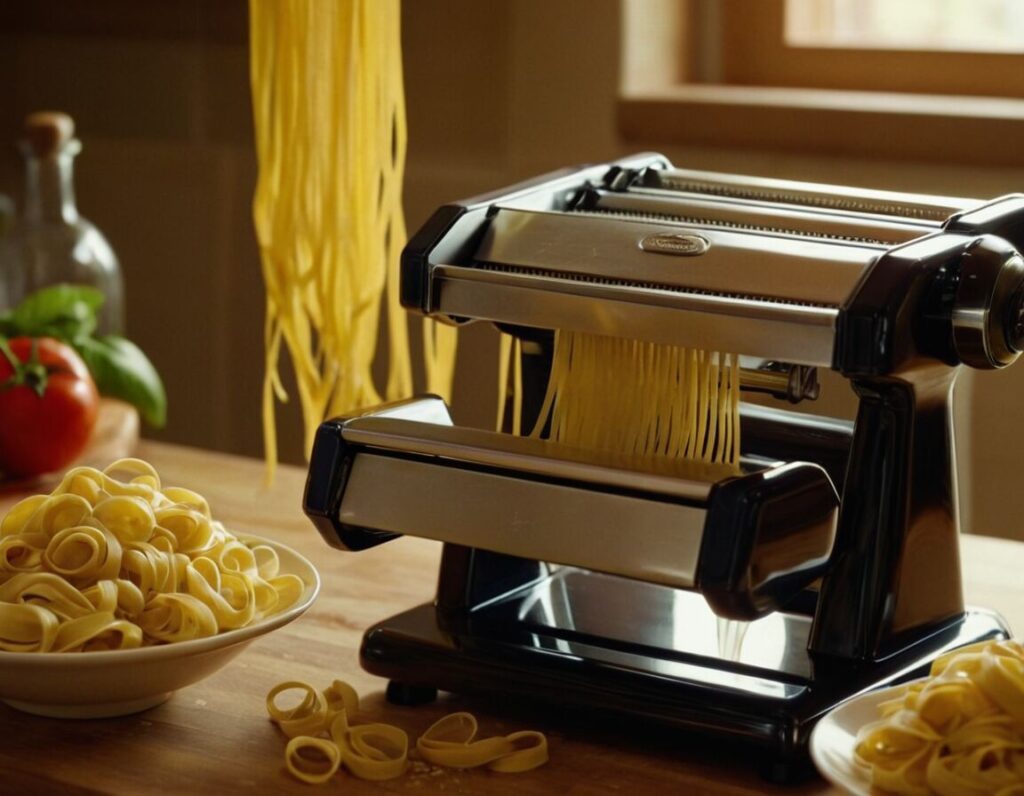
x=214 y=737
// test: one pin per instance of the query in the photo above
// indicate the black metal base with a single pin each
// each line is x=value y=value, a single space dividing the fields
x=400 y=693
x=622 y=647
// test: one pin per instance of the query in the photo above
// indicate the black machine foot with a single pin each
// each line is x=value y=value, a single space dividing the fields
x=400 y=693
x=787 y=771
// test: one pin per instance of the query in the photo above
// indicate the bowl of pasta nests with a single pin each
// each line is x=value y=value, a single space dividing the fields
x=116 y=591
x=957 y=732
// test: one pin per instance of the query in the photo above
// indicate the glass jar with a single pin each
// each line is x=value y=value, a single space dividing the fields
x=49 y=241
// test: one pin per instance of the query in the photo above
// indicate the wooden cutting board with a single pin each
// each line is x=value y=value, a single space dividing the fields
x=115 y=436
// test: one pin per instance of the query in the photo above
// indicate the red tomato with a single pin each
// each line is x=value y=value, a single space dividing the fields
x=48 y=406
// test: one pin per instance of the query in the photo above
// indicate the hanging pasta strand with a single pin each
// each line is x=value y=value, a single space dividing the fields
x=330 y=129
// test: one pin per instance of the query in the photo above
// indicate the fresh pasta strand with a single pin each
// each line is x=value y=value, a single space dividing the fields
x=330 y=130
x=642 y=399
x=320 y=722
x=960 y=733
x=517 y=386
x=504 y=360
x=110 y=560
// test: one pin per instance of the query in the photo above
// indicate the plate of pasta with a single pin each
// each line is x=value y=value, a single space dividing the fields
x=958 y=731
x=116 y=591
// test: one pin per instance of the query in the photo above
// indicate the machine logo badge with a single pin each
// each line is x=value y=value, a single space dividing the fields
x=673 y=243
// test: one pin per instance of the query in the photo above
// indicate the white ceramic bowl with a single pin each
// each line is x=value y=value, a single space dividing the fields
x=834 y=740
x=116 y=683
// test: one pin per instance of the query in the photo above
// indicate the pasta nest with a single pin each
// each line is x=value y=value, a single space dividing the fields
x=112 y=560
x=958 y=733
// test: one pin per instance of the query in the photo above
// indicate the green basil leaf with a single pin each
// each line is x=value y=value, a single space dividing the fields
x=121 y=370
x=67 y=312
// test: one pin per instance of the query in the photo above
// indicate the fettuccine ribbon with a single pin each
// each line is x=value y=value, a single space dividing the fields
x=323 y=739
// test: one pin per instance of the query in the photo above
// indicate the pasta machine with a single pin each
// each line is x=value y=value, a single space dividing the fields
x=740 y=602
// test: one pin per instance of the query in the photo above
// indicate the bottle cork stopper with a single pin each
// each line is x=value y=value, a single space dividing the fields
x=48 y=131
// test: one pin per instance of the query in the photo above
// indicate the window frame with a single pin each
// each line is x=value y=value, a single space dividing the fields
x=754 y=53
x=681 y=86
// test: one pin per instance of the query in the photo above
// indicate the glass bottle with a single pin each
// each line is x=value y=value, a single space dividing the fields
x=50 y=242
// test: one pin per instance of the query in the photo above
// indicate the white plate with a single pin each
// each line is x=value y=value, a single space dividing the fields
x=118 y=682
x=834 y=739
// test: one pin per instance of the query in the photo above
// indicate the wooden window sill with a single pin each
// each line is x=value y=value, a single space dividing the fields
x=936 y=128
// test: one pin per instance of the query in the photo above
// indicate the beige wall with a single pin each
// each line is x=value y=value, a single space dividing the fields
x=497 y=91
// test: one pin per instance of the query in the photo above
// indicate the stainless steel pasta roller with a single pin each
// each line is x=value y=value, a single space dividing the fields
x=603 y=581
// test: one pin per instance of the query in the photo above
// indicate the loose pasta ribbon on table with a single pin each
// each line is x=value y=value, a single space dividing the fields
x=323 y=739
x=112 y=560
x=450 y=742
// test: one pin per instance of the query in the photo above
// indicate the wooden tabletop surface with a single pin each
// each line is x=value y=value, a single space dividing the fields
x=214 y=737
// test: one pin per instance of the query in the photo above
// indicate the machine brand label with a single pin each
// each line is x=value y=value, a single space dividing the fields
x=681 y=245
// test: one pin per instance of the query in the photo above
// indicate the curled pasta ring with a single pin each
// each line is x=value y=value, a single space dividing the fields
x=103 y=486
x=21 y=553
x=309 y=703
x=129 y=517
x=152 y=569
x=530 y=751
x=17 y=518
x=180 y=496
x=229 y=595
x=27 y=628
x=449 y=742
x=77 y=633
x=191 y=529
x=60 y=512
x=83 y=554
x=339 y=695
x=46 y=590
x=1004 y=684
x=141 y=472
x=294 y=760
x=267 y=562
x=266 y=596
x=163 y=540
x=234 y=556
x=88 y=482
x=289 y=589
x=177 y=617
x=371 y=751
x=455 y=728
x=130 y=601
x=102 y=596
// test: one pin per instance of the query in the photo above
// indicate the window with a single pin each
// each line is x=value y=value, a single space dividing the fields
x=920 y=46
x=935 y=25
x=919 y=80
